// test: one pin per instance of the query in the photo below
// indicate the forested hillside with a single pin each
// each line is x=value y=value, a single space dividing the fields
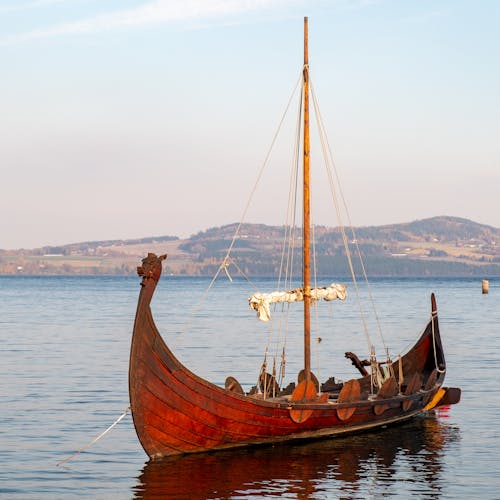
x=443 y=246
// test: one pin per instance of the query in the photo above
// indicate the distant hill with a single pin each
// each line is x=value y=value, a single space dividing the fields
x=443 y=229
x=438 y=246
x=435 y=246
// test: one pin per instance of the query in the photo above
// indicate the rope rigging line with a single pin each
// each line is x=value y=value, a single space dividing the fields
x=259 y=176
x=227 y=259
x=288 y=247
x=88 y=445
x=315 y=303
x=354 y=238
x=290 y=219
x=322 y=133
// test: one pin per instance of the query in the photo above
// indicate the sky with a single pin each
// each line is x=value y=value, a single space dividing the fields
x=130 y=118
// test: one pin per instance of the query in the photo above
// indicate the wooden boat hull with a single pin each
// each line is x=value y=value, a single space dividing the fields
x=177 y=412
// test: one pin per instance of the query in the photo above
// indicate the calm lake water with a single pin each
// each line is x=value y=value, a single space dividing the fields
x=63 y=380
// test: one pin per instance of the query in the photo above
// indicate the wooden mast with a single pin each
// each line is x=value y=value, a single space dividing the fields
x=306 y=214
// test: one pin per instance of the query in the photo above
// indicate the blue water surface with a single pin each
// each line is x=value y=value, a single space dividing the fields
x=63 y=380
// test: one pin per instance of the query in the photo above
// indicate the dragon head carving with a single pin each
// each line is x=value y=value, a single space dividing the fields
x=151 y=267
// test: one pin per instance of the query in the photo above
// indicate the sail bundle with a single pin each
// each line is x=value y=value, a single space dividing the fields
x=261 y=302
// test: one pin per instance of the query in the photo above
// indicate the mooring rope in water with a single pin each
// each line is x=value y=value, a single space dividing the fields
x=83 y=448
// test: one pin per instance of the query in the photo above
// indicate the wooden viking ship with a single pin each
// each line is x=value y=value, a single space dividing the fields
x=177 y=412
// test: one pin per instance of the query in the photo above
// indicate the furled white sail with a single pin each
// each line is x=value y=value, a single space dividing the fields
x=261 y=302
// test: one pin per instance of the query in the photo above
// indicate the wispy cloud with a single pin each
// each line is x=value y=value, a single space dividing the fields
x=32 y=4
x=152 y=12
x=423 y=17
x=43 y=3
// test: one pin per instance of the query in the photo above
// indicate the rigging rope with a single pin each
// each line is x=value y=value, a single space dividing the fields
x=88 y=445
x=259 y=176
x=322 y=134
x=322 y=129
x=227 y=259
x=288 y=247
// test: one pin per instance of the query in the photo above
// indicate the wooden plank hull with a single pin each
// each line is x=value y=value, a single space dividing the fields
x=177 y=412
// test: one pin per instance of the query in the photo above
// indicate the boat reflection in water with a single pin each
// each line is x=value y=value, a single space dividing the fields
x=407 y=460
